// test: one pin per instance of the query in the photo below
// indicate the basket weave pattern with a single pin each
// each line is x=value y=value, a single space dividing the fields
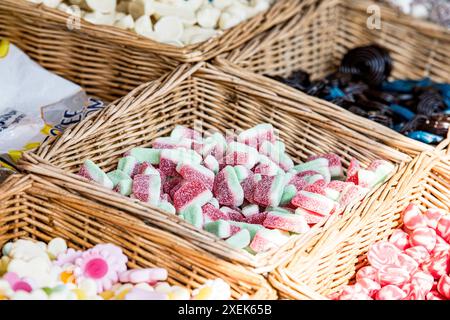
x=109 y=62
x=31 y=207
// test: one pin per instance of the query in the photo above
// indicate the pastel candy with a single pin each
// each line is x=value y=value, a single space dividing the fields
x=422 y=281
x=171 y=157
x=91 y=171
x=433 y=216
x=194 y=215
x=141 y=294
x=240 y=239
x=319 y=165
x=289 y=193
x=400 y=239
x=425 y=237
x=437 y=265
x=434 y=295
x=122 y=182
x=167 y=206
x=189 y=193
x=211 y=163
x=413 y=218
x=354 y=292
x=180 y=132
x=127 y=165
x=148 y=275
x=339 y=186
x=313 y=202
x=443 y=228
x=366 y=178
x=369 y=285
x=392 y=275
x=413 y=292
x=382 y=253
x=265 y=240
x=390 y=292
x=443 y=286
x=192 y=171
x=56 y=246
x=367 y=272
x=147 y=188
x=382 y=170
x=241 y=154
x=288 y=222
x=251 y=228
x=220 y=228
x=418 y=253
x=227 y=188
x=407 y=263
x=149 y=155
x=250 y=210
x=211 y=213
x=441 y=245
x=168 y=143
x=334 y=163
x=351 y=195
x=257 y=135
x=241 y=172
x=269 y=190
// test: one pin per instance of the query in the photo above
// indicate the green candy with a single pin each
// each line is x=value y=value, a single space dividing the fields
x=167 y=206
x=251 y=228
x=127 y=165
x=194 y=215
x=220 y=228
x=239 y=240
x=146 y=155
x=289 y=192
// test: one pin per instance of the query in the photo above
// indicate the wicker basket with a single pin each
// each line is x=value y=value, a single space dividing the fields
x=339 y=253
x=109 y=62
x=317 y=43
x=31 y=207
x=207 y=98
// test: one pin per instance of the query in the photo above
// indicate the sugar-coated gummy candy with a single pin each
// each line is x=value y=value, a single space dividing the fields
x=227 y=189
x=239 y=240
x=92 y=172
x=194 y=215
x=287 y=222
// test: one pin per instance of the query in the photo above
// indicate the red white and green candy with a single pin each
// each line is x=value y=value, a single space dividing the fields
x=244 y=187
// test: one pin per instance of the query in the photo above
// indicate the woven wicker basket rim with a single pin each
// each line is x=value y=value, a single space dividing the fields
x=279 y=12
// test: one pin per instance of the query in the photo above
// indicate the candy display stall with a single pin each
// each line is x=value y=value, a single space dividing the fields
x=316 y=44
x=202 y=97
x=33 y=208
x=108 y=61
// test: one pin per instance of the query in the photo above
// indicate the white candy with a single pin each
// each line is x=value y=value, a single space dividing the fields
x=56 y=246
x=143 y=26
x=102 y=6
x=208 y=16
x=126 y=22
x=169 y=29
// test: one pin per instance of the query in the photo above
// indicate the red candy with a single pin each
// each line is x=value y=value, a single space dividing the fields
x=313 y=202
x=367 y=272
x=407 y=263
x=190 y=192
x=418 y=253
x=211 y=213
x=437 y=265
x=370 y=286
x=257 y=218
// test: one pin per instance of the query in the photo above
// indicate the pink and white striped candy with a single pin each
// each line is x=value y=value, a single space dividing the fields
x=413 y=292
x=400 y=239
x=313 y=202
x=227 y=188
x=413 y=218
x=443 y=286
x=352 y=171
x=437 y=265
x=392 y=275
x=193 y=171
x=443 y=228
x=383 y=253
x=418 y=253
x=354 y=292
x=441 y=245
x=391 y=292
x=367 y=272
x=268 y=191
x=211 y=213
x=423 y=281
x=434 y=295
x=286 y=221
x=432 y=216
x=407 y=263
x=370 y=286
x=425 y=237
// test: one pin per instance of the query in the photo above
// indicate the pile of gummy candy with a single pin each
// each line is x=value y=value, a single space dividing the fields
x=175 y=22
x=419 y=109
x=32 y=270
x=413 y=264
x=244 y=188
